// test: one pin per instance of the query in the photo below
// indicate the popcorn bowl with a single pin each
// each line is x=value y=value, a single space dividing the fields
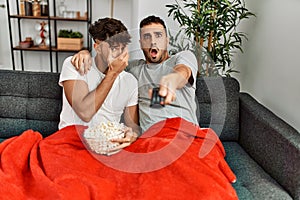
x=98 y=138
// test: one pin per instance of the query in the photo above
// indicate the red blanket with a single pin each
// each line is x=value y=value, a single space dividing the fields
x=173 y=160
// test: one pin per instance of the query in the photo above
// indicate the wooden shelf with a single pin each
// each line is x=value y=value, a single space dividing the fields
x=34 y=48
x=29 y=17
x=83 y=19
x=53 y=21
x=37 y=48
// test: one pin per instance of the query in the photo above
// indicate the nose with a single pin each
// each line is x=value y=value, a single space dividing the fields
x=153 y=41
x=119 y=52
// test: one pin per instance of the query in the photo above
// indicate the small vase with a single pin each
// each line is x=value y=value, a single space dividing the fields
x=61 y=8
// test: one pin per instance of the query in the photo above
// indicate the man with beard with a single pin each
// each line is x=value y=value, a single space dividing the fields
x=106 y=91
x=174 y=75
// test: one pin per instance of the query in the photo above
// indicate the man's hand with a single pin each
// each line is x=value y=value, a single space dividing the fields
x=173 y=81
x=118 y=64
x=129 y=138
x=82 y=61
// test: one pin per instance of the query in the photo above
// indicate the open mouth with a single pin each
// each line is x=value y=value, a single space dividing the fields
x=153 y=53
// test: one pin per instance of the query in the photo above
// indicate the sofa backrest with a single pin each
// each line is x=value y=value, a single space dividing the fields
x=32 y=100
x=29 y=100
x=218 y=100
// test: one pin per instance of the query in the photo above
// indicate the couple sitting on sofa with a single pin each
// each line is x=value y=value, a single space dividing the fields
x=106 y=90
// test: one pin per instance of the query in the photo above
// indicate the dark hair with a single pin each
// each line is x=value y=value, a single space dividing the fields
x=109 y=30
x=152 y=19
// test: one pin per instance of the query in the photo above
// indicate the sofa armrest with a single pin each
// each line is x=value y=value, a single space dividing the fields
x=271 y=142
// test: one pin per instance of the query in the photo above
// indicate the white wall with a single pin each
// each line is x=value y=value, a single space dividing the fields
x=5 y=59
x=269 y=68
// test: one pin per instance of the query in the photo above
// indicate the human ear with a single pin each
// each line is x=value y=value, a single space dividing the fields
x=97 y=48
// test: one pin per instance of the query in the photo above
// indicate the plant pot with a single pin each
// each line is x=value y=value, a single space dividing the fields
x=69 y=43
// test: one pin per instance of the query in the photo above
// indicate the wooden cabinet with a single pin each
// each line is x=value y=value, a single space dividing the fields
x=17 y=16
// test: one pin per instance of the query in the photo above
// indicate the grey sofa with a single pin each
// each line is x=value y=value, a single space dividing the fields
x=262 y=149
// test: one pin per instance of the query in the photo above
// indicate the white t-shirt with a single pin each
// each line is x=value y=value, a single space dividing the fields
x=124 y=93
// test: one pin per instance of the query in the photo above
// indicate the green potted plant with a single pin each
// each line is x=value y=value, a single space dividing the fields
x=210 y=26
x=69 y=40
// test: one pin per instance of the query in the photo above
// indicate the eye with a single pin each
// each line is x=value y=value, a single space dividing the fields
x=147 y=36
x=158 y=35
x=114 y=48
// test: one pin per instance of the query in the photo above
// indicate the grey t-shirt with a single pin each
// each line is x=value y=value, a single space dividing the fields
x=149 y=75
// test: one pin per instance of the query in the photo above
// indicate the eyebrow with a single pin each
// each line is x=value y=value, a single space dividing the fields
x=156 y=33
x=116 y=44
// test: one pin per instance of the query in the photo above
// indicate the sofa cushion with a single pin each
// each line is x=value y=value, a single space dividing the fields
x=252 y=181
x=29 y=100
x=218 y=105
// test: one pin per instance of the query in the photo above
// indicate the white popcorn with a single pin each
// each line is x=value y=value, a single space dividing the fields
x=98 y=137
